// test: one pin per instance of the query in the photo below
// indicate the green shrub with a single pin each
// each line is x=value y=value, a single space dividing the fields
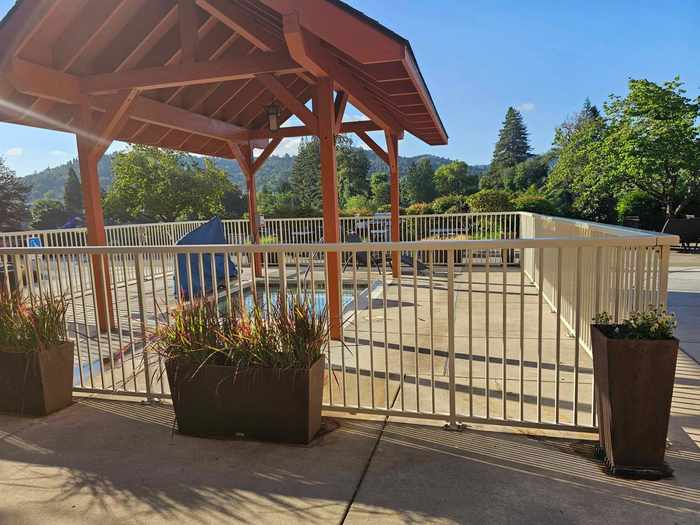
x=450 y=204
x=637 y=203
x=534 y=203
x=490 y=200
x=419 y=208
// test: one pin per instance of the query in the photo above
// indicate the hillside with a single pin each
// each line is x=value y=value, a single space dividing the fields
x=49 y=183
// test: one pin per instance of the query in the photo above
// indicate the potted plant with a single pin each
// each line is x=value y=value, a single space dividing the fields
x=246 y=374
x=634 y=365
x=36 y=358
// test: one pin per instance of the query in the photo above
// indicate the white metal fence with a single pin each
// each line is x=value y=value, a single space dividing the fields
x=489 y=330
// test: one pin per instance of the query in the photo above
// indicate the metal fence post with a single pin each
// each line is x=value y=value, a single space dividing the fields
x=452 y=425
x=138 y=259
x=663 y=276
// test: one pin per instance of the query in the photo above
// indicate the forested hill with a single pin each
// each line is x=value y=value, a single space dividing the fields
x=49 y=182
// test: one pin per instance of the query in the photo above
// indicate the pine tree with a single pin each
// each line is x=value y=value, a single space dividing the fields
x=512 y=146
x=72 y=196
x=418 y=183
x=13 y=200
x=305 y=179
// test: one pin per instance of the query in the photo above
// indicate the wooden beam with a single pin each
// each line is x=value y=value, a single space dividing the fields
x=308 y=51
x=290 y=101
x=94 y=218
x=23 y=23
x=190 y=74
x=341 y=100
x=188 y=24
x=41 y=81
x=373 y=146
x=323 y=107
x=241 y=21
x=392 y=146
x=48 y=83
x=269 y=150
x=81 y=34
x=112 y=121
x=302 y=131
x=244 y=156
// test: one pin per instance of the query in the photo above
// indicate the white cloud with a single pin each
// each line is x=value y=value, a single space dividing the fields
x=14 y=152
x=288 y=146
x=526 y=107
x=59 y=153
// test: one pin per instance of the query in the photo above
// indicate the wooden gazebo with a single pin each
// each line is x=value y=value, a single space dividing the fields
x=200 y=76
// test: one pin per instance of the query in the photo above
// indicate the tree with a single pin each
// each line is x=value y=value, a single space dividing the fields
x=234 y=202
x=305 y=179
x=353 y=172
x=418 y=183
x=380 y=188
x=159 y=185
x=488 y=200
x=72 y=195
x=653 y=143
x=13 y=199
x=454 y=179
x=563 y=133
x=512 y=146
x=48 y=214
x=523 y=175
x=579 y=184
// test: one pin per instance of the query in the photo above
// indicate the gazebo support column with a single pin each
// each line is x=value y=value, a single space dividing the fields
x=243 y=153
x=96 y=235
x=392 y=146
x=253 y=224
x=325 y=111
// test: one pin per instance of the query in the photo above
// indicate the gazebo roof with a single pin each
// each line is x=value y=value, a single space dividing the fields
x=198 y=75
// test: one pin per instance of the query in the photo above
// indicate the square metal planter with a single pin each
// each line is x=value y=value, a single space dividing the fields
x=269 y=404
x=36 y=383
x=634 y=387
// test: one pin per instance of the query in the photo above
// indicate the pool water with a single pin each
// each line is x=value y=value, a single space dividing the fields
x=319 y=296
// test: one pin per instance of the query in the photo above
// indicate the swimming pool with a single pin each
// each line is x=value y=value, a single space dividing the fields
x=319 y=296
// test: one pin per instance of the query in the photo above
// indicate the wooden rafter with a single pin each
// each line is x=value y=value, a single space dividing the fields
x=307 y=50
x=84 y=32
x=341 y=100
x=22 y=26
x=287 y=98
x=112 y=120
x=188 y=74
x=266 y=152
x=187 y=23
x=240 y=21
x=45 y=82
x=302 y=131
x=373 y=146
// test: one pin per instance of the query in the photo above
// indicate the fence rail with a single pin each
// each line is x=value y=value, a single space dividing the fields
x=492 y=329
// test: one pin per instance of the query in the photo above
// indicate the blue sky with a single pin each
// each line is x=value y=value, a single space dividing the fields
x=479 y=57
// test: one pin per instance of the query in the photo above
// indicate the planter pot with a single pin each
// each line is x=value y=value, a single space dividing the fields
x=36 y=383
x=269 y=404
x=634 y=387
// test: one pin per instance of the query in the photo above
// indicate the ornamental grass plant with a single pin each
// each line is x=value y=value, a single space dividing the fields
x=31 y=325
x=291 y=336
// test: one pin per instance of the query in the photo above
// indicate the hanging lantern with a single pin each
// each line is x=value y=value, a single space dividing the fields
x=273 y=113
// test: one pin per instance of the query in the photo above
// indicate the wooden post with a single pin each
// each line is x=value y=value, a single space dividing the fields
x=96 y=235
x=325 y=111
x=392 y=146
x=252 y=215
